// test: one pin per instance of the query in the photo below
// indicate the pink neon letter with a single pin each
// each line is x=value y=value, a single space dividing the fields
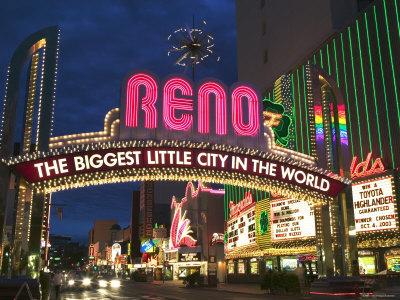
x=173 y=103
x=148 y=101
x=205 y=90
x=253 y=125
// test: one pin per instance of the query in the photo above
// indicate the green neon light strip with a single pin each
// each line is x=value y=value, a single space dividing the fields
x=225 y=197
x=336 y=62
x=371 y=66
x=391 y=62
x=397 y=17
x=348 y=112
x=320 y=57
x=294 y=113
x=305 y=110
x=329 y=59
x=383 y=85
x=363 y=82
x=355 y=93
x=300 y=118
x=315 y=59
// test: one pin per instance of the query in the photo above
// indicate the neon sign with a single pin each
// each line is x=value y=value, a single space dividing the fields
x=139 y=158
x=180 y=228
x=361 y=169
x=217 y=238
x=235 y=209
x=241 y=229
x=179 y=106
x=276 y=118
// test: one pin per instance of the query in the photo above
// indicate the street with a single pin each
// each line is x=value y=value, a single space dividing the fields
x=136 y=290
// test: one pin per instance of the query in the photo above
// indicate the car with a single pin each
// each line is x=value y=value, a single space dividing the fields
x=107 y=281
x=77 y=280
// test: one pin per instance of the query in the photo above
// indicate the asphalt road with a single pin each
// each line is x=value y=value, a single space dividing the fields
x=135 y=290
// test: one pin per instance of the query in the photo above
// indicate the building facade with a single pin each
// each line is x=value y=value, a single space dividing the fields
x=339 y=103
x=146 y=208
x=272 y=36
x=195 y=220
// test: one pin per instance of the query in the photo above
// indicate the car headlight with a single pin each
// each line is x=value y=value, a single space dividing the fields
x=86 y=281
x=115 y=283
x=103 y=283
x=71 y=282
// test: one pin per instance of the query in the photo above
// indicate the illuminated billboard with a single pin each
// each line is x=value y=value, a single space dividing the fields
x=374 y=205
x=147 y=246
x=241 y=227
x=291 y=219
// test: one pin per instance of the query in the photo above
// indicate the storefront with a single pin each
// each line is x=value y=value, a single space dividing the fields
x=183 y=262
x=367 y=262
x=245 y=269
x=392 y=259
x=271 y=234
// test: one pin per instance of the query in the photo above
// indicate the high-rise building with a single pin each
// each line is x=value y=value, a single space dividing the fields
x=337 y=100
x=135 y=213
x=195 y=220
x=273 y=36
x=146 y=208
x=101 y=231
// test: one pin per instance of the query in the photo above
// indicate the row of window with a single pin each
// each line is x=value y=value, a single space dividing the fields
x=241 y=266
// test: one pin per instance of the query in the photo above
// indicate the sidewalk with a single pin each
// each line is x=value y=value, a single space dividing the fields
x=247 y=288
x=244 y=288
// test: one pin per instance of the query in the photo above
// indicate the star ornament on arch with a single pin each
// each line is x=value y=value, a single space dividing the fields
x=275 y=117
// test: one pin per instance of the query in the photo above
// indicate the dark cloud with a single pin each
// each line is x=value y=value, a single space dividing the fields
x=102 y=41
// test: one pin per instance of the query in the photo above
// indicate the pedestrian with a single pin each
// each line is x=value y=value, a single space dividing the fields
x=57 y=281
x=300 y=271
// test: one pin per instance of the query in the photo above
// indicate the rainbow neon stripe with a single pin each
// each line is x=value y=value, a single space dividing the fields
x=344 y=139
x=319 y=126
x=333 y=128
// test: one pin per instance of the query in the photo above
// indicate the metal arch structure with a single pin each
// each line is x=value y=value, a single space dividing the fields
x=100 y=144
x=59 y=155
x=332 y=153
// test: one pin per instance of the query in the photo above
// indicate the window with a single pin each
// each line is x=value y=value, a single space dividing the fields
x=263 y=28
x=268 y=264
x=288 y=263
x=231 y=267
x=262 y=3
x=265 y=56
x=253 y=266
x=241 y=267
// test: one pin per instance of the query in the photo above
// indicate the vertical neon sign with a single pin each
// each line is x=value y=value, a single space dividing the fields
x=344 y=140
x=319 y=126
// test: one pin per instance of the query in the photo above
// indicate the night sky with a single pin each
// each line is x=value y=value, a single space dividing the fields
x=102 y=41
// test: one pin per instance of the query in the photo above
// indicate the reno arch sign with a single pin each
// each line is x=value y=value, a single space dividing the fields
x=177 y=109
x=175 y=130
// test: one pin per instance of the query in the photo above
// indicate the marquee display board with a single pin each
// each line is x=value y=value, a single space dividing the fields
x=374 y=203
x=241 y=226
x=291 y=219
x=161 y=136
x=374 y=196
